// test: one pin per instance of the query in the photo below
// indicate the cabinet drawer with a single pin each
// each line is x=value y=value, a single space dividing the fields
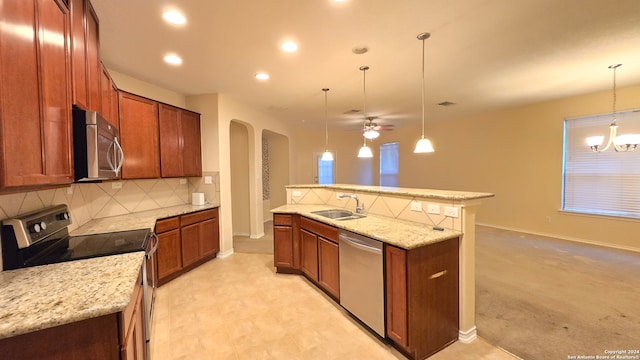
x=165 y=225
x=199 y=216
x=282 y=219
x=326 y=231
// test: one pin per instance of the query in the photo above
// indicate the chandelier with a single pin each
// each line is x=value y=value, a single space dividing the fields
x=626 y=142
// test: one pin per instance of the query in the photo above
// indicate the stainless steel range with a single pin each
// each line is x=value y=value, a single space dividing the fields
x=42 y=237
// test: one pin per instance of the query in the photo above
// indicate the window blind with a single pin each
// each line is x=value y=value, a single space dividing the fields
x=389 y=164
x=606 y=183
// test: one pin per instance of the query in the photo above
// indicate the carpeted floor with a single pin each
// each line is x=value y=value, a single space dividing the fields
x=543 y=298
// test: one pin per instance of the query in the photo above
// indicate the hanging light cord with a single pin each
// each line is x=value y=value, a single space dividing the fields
x=422 y=89
x=614 y=67
x=326 y=128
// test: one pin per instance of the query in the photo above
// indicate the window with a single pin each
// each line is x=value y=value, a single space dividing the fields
x=389 y=164
x=325 y=171
x=606 y=183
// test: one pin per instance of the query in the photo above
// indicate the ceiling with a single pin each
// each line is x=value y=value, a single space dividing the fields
x=482 y=54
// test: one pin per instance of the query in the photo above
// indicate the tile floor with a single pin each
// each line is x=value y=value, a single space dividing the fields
x=239 y=308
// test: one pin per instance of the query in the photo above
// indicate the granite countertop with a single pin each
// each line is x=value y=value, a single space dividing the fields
x=139 y=220
x=46 y=296
x=415 y=192
x=402 y=233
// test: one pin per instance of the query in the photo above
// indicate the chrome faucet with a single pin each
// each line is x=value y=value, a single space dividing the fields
x=359 y=207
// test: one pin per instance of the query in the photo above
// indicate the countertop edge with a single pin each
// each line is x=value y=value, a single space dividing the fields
x=415 y=192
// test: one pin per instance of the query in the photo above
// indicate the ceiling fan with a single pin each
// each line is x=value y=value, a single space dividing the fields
x=371 y=130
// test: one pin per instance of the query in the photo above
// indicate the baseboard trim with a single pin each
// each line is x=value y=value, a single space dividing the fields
x=576 y=240
x=258 y=236
x=242 y=234
x=468 y=336
x=224 y=254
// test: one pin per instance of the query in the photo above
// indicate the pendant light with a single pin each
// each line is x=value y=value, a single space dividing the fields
x=327 y=155
x=626 y=142
x=365 y=151
x=423 y=145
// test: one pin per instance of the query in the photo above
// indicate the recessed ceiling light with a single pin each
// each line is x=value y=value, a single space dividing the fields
x=174 y=17
x=262 y=76
x=289 y=46
x=173 y=59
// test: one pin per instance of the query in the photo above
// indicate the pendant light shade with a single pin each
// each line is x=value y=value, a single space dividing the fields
x=423 y=145
x=326 y=155
x=365 y=152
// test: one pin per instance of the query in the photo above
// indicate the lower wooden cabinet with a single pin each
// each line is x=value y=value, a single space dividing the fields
x=422 y=297
x=309 y=254
x=186 y=241
x=286 y=243
x=109 y=337
x=328 y=266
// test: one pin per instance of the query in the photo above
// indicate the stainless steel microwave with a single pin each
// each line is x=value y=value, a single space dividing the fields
x=97 y=152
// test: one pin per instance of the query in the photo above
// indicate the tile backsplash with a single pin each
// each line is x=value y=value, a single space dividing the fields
x=89 y=201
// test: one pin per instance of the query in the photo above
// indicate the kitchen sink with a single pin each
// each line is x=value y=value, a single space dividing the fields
x=338 y=214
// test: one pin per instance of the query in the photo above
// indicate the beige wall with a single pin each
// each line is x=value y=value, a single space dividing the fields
x=142 y=88
x=239 y=145
x=514 y=153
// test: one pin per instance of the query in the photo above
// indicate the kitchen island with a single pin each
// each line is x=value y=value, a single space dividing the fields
x=407 y=219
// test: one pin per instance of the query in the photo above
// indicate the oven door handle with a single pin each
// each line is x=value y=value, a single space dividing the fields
x=154 y=245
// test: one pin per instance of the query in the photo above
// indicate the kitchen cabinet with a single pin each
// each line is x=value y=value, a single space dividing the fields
x=422 y=297
x=319 y=255
x=108 y=97
x=180 y=150
x=114 y=336
x=185 y=242
x=139 y=136
x=35 y=96
x=286 y=243
x=85 y=56
x=169 y=252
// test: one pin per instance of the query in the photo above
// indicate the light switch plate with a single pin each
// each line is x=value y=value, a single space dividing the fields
x=433 y=209
x=416 y=206
x=183 y=181
x=296 y=193
x=451 y=211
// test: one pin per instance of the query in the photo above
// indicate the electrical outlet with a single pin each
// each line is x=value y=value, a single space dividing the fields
x=451 y=211
x=116 y=185
x=416 y=206
x=433 y=209
x=208 y=180
x=339 y=196
x=183 y=181
x=296 y=193
x=70 y=190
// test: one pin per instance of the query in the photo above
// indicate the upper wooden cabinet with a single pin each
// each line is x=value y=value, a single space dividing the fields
x=108 y=97
x=85 y=56
x=180 y=153
x=35 y=96
x=139 y=135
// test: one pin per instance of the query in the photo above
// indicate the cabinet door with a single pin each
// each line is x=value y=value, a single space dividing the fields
x=190 y=244
x=396 y=279
x=78 y=54
x=93 y=58
x=328 y=264
x=170 y=141
x=282 y=246
x=309 y=254
x=35 y=96
x=169 y=253
x=191 y=148
x=139 y=135
x=209 y=237
x=107 y=94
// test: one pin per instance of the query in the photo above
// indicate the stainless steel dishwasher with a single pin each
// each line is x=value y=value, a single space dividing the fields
x=362 y=280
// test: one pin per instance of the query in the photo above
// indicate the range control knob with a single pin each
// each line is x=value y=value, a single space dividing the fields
x=43 y=225
x=35 y=228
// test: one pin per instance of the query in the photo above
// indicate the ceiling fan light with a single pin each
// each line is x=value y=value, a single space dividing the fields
x=371 y=134
x=327 y=156
x=423 y=146
x=365 y=152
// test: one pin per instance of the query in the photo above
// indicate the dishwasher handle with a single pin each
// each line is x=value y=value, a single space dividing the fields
x=362 y=245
